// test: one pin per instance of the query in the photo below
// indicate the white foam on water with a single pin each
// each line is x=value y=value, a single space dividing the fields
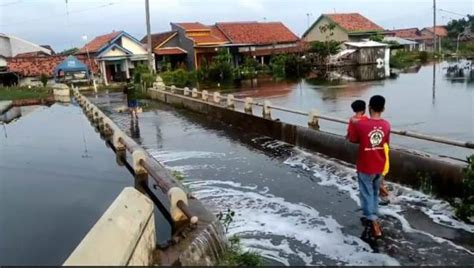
x=331 y=173
x=260 y=214
x=172 y=156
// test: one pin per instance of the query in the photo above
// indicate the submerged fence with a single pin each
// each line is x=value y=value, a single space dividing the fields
x=313 y=116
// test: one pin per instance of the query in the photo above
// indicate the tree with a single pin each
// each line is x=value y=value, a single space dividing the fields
x=44 y=79
x=322 y=50
x=69 y=51
x=456 y=27
x=221 y=68
x=376 y=37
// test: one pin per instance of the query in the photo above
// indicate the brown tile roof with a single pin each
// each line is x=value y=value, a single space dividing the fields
x=36 y=66
x=409 y=33
x=439 y=30
x=192 y=26
x=170 y=51
x=31 y=54
x=158 y=38
x=207 y=40
x=98 y=42
x=353 y=22
x=257 y=33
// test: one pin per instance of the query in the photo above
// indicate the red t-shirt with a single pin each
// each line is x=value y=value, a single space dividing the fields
x=350 y=127
x=371 y=135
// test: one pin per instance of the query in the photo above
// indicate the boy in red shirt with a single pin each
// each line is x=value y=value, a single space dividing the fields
x=359 y=107
x=371 y=135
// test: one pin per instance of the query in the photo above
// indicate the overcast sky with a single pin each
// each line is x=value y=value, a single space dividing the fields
x=46 y=22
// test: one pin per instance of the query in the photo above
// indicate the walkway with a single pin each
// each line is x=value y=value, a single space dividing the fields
x=293 y=206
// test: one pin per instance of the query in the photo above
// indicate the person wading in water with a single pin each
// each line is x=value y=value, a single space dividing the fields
x=371 y=135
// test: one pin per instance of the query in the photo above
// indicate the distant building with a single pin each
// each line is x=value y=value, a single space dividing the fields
x=402 y=43
x=11 y=46
x=29 y=69
x=423 y=37
x=117 y=54
x=194 y=43
x=351 y=27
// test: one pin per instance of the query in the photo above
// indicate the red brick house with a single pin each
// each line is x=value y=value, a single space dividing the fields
x=194 y=42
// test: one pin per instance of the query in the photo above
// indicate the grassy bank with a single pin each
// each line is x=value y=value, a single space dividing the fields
x=405 y=59
x=21 y=93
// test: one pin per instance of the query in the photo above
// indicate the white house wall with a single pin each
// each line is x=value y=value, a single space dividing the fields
x=114 y=53
x=132 y=46
x=315 y=34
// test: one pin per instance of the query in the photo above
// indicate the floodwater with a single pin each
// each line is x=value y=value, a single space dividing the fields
x=57 y=177
x=415 y=101
x=292 y=206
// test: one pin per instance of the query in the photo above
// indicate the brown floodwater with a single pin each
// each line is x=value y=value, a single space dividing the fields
x=423 y=99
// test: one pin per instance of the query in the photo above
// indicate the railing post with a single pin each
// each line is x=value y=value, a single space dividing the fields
x=217 y=97
x=173 y=89
x=230 y=101
x=205 y=95
x=194 y=93
x=248 y=105
x=186 y=91
x=313 y=119
x=267 y=111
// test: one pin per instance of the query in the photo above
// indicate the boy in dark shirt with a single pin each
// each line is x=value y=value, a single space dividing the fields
x=371 y=135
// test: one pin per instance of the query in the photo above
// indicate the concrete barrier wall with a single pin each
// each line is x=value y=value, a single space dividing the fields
x=124 y=235
x=406 y=166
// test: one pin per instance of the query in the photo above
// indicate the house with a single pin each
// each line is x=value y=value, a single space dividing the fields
x=194 y=43
x=117 y=54
x=28 y=70
x=423 y=37
x=351 y=27
x=441 y=32
x=11 y=46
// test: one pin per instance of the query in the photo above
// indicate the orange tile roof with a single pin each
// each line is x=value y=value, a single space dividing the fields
x=257 y=33
x=98 y=42
x=192 y=26
x=353 y=22
x=170 y=51
x=218 y=33
x=439 y=30
x=36 y=66
x=158 y=38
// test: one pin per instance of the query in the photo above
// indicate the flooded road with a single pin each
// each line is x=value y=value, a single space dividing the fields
x=415 y=102
x=57 y=178
x=294 y=207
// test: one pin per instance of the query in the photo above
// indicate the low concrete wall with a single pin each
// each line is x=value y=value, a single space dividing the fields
x=124 y=235
x=406 y=166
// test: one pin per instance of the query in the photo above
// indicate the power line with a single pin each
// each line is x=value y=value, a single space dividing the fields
x=62 y=14
x=451 y=12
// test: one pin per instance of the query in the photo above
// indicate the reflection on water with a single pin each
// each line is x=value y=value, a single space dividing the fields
x=423 y=99
x=50 y=193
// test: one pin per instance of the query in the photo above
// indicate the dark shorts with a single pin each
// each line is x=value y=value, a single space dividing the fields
x=132 y=103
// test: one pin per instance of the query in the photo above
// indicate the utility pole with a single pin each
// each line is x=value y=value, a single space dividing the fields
x=434 y=25
x=151 y=62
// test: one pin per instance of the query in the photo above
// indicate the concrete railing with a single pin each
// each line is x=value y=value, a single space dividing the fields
x=313 y=116
x=123 y=236
x=408 y=166
x=143 y=164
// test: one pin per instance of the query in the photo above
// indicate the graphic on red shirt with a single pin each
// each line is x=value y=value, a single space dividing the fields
x=371 y=135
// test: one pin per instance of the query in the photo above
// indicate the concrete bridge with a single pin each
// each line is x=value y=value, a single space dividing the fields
x=191 y=221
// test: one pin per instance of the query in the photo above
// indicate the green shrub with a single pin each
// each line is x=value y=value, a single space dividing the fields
x=179 y=78
x=221 y=68
x=44 y=79
x=465 y=206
